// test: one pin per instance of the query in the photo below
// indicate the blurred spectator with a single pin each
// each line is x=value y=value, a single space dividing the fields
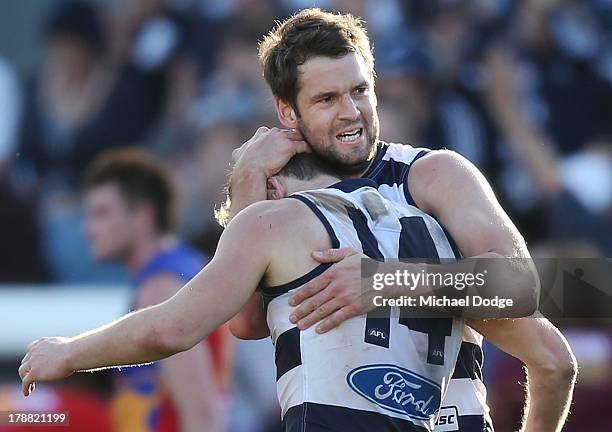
x=88 y=98
x=550 y=106
x=82 y=102
x=20 y=257
x=235 y=91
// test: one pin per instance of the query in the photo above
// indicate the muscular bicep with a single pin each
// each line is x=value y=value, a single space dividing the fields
x=222 y=288
x=449 y=187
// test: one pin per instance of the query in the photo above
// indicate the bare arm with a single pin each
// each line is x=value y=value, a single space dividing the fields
x=211 y=298
x=266 y=153
x=188 y=375
x=551 y=367
x=447 y=186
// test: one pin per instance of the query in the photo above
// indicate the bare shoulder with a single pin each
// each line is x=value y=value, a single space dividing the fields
x=271 y=219
x=439 y=165
x=440 y=173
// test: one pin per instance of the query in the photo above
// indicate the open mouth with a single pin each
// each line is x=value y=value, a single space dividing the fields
x=350 y=136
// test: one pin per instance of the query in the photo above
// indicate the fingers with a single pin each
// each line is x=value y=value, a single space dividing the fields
x=260 y=130
x=298 y=145
x=28 y=385
x=332 y=255
x=301 y=147
x=27 y=378
x=238 y=151
x=314 y=309
x=294 y=134
x=335 y=319
x=24 y=369
x=26 y=357
x=321 y=312
x=312 y=287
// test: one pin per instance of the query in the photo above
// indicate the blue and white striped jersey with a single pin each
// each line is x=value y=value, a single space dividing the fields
x=386 y=372
x=465 y=407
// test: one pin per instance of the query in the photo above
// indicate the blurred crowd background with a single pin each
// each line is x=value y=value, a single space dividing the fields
x=522 y=88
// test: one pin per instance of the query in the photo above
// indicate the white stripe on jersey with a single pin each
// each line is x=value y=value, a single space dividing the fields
x=390 y=173
x=326 y=363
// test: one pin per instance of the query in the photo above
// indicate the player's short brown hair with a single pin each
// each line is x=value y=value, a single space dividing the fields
x=309 y=33
x=306 y=166
x=140 y=179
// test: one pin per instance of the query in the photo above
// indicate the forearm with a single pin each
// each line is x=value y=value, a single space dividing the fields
x=132 y=339
x=551 y=375
x=550 y=364
x=487 y=275
x=549 y=393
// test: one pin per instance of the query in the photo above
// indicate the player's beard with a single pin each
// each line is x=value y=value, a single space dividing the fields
x=338 y=161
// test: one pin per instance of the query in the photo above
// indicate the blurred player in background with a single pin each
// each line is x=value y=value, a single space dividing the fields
x=129 y=205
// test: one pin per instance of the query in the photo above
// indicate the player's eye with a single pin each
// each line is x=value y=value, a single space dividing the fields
x=326 y=99
x=361 y=90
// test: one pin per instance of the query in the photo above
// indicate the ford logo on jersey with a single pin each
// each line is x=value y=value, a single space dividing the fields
x=396 y=389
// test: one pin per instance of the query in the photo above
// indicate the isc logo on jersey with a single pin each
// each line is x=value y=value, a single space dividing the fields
x=396 y=389
x=448 y=420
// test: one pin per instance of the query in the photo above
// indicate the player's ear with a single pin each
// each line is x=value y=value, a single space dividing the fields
x=276 y=190
x=286 y=113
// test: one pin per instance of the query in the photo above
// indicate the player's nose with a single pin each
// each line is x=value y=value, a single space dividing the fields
x=348 y=109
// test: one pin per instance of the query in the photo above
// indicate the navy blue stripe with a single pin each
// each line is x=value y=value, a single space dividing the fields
x=312 y=417
x=436 y=330
x=287 y=353
x=415 y=240
x=380 y=153
x=378 y=327
x=352 y=185
x=404 y=179
x=312 y=206
x=271 y=293
x=369 y=244
x=469 y=362
x=378 y=324
x=474 y=423
x=452 y=242
x=391 y=173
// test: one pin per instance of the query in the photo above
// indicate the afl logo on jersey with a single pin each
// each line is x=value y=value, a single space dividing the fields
x=396 y=389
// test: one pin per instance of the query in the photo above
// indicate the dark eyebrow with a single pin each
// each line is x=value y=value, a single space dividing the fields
x=361 y=84
x=323 y=95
